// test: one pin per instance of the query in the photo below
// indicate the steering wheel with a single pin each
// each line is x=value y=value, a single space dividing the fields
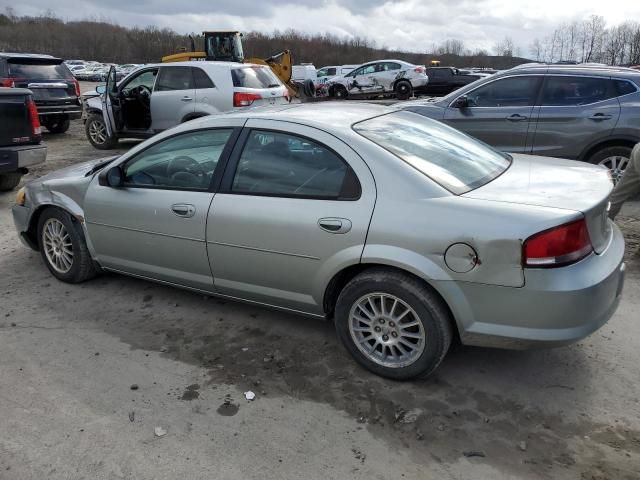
x=184 y=164
x=142 y=94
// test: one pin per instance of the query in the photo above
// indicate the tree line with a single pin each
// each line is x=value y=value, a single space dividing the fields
x=104 y=41
x=590 y=40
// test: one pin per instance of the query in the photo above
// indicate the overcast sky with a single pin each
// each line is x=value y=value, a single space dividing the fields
x=403 y=24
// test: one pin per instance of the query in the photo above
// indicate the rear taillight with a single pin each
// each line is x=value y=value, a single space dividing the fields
x=77 y=86
x=7 y=82
x=557 y=246
x=36 y=129
x=419 y=69
x=241 y=99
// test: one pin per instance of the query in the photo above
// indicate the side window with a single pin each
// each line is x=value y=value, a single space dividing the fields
x=281 y=164
x=331 y=71
x=201 y=79
x=146 y=78
x=368 y=70
x=185 y=161
x=392 y=66
x=624 y=87
x=174 y=78
x=574 y=91
x=508 y=92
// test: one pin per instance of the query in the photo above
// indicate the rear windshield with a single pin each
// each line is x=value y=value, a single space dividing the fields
x=39 y=71
x=454 y=160
x=254 y=77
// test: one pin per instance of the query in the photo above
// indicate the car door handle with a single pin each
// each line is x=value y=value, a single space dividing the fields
x=600 y=116
x=186 y=99
x=185 y=210
x=334 y=225
x=516 y=117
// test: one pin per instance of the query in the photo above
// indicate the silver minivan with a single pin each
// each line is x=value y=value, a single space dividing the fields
x=578 y=112
x=156 y=97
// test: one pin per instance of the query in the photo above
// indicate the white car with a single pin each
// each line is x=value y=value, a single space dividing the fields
x=328 y=72
x=382 y=77
x=156 y=97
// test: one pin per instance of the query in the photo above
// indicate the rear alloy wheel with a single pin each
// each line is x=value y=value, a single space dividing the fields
x=59 y=126
x=96 y=132
x=403 y=90
x=615 y=159
x=393 y=324
x=63 y=247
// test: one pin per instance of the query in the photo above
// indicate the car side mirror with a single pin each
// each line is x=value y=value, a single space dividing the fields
x=461 y=102
x=115 y=177
x=101 y=89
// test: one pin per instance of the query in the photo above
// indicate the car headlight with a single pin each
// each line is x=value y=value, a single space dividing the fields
x=20 y=197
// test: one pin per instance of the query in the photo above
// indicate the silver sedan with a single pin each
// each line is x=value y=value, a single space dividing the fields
x=404 y=231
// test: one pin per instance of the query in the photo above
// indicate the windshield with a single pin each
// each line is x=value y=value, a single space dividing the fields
x=454 y=160
x=254 y=77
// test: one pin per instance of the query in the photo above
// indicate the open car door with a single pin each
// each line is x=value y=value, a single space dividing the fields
x=111 y=92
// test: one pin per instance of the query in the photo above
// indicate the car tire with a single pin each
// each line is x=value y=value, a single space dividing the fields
x=411 y=346
x=96 y=132
x=339 y=92
x=59 y=126
x=9 y=181
x=63 y=247
x=615 y=159
x=309 y=88
x=404 y=90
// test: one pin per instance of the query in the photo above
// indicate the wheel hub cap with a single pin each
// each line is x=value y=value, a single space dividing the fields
x=386 y=330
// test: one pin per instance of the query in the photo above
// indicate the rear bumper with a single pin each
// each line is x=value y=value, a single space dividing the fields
x=72 y=112
x=14 y=158
x=555 y=307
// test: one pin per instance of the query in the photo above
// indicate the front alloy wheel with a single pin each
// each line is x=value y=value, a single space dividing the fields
x=386 y=330
x=57 y=245
x=97 y=134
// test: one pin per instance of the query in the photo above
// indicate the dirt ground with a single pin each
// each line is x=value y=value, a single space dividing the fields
x=87 y=372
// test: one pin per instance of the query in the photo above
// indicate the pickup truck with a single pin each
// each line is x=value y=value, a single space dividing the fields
x=20 y=136
x=444 y=80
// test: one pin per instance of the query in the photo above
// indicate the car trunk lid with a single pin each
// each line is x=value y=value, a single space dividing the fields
x=550 y=182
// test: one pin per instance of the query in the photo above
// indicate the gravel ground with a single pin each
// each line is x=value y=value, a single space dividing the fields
x=87 y=372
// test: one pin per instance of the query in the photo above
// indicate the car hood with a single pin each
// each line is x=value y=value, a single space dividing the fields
x=555 y=183
x=75 y=171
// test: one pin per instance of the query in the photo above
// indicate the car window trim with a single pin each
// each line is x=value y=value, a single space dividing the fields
x=234 y=159
x=541 y=75
x=217 y=173
x=541 y=91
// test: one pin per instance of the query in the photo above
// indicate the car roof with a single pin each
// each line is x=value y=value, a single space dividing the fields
x=328 y=116
x=579 y=69
x=191 y=63
x=9 y=55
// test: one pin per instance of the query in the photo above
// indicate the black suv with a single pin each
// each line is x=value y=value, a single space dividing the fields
x=55 y=91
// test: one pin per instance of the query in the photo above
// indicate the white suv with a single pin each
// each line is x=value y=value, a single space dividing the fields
x=383 y=77
x=157 y=97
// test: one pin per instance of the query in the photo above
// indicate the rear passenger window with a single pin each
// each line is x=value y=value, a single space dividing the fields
x=575 y=91
x=254 y=77
x=201 y=79
x=280 y=164
x=508 y=92
x=174 y=78
x=624 y=88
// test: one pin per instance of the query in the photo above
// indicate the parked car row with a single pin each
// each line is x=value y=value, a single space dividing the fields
x=97 y=72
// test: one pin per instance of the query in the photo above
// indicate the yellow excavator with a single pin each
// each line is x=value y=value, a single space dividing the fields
x=226 y=46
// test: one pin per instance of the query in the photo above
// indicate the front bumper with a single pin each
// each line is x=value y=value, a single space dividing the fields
x=14 y=158
x=21 y=217
x=555 y=307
